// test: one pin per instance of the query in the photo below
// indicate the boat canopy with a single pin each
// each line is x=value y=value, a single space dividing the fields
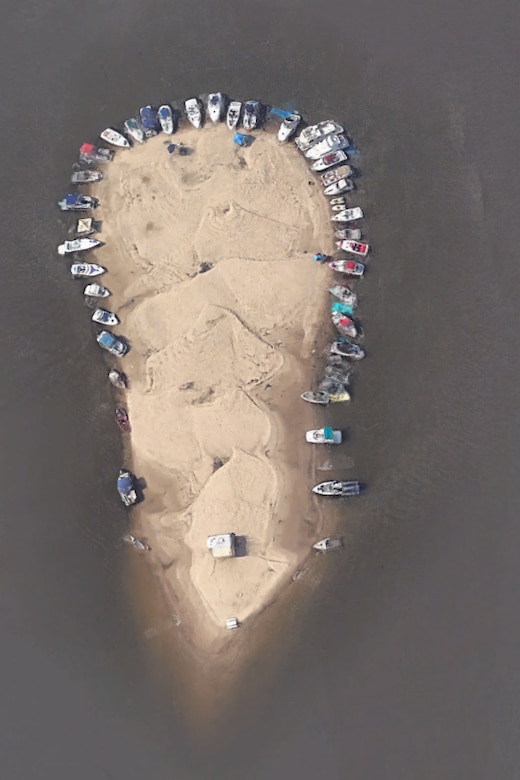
x=241 y=139
x=328 y=433
x=71 y=199
x=87 y=149
x=84 y=226
x=280 y=112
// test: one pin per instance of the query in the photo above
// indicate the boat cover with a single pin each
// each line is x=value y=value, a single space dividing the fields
x=280 y=112
x=328 y=433
x=87 y=149
x=241 y=139
x=71 y=199
x=344 y=308
x=84 y=226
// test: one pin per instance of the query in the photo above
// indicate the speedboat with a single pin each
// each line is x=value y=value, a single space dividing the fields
x=251 y=115
x=86 y=177
x=233 y=114
x=96 y=291
x=316 y=398
x=288 y=127
x=134 y=130
x=105 y=317
x=336 y=487
x=76 y=202
x=354 y=234
x=84 y=270
x=117 y=378
x=331 y=143
x=126 y=487
x=148 y=117
x=215 y=106
x=349 y=215
x=343 y=185
x=165 y=117
x=138 y=544
x=338 y=173
x=78 y=245
x=89 y=153
x=346 y=349
x=111 y=343
x=349 y=267
x=355 y=247
x=115 y=138
x=344 y=324
x=122 y=419
x=193 y=112
x=325 y=435
x=314 y=133
x=324 y=545
x=343 y=293
x=328 y=160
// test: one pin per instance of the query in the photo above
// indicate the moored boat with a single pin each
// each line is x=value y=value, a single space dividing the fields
x=165 y=117
x=126 y=487
x=251 y=116
x=96 y=291
x=105 y=317
x=134 y=129
x=148 y=119
x=331 y=143
x=122 y=419
x=86 y=177
x=233 y=114
x=117 y=378
x=354 y=234
x=344 y=324
x=215 y=106
x=339 y=201
x=336 y=487
x=346 y=349
x=137 y=543
x=114 y=137
x=328 y=160
x=84 y=270
x=78 y=245
x=325 y=435
x=316 y=398
x=74 y=201
x=288 y=127
x=355 y=247
x=338 y=173
x=88 y=153
x=350 y=267
x=343 y=185
x=311 y=135
x=343 y=293
x=193 y=112
x=324 y=545
x=349 y=215
x=111 y=343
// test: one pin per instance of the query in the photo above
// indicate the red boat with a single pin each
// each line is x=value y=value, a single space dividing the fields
x=122 y=419
x=350 y=267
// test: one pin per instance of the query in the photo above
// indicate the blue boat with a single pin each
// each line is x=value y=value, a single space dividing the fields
x=149 y=122
x=126 y=487
x=77 y=202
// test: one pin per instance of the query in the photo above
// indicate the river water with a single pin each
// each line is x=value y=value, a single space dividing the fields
x=404 y=662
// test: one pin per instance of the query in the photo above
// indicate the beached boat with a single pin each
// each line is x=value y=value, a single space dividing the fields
x=355 y=247
x=86 y=177
x=88 y=153
x=114 y=137
x=193 y=112
x=324 y=545
x=343 y=185
x=215 y=106
x=331 y=143
x=86 y=226
x=96 y=291
x=349 y=215
x=111 y=343
x=325 y=435
x=122 y=419
x=343 y=293
x=344 y=324
x=311 y=135
x=354 y=234
x=137 y=543
x=350 y=267
x=84 y=270
x=346 y=349
x=76 y=202
x=126 y=487
x=134 y=129
x=315 y=398
x=233 y=114
x=105 y=317
x=336 y=487
x=117 y=378
x=165 y=117
x=78 y=245
x=149 y=123
x=288 y=127
x=328 y=160
x=339 y=201
x=251 y=116
x=338 y=173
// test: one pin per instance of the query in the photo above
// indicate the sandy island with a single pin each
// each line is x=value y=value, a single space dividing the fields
x=209 y=259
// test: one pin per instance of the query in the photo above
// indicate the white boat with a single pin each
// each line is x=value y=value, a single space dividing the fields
x=105 y=317
x=215 y=106
x=335 y=487
x=74 y=201
x=325 y=435
x=316 y=398
x=193 y=112
x=349 y=215
x=344 y=324
x=354 y=234
x=343 y=185
x=355 y=247
x=83 y=270
x=233 y=114
x=339 y=201
x=346 y=349
x=312 y=134
x=77 y=245
x=86 y=177
x=324 y=545
x=349 y=267
x=165 y=117
x=251 y=114
x=115 y=138
x=344 y=294
x=288 y=127
x=338 y=173
x=135 y=131
x=331 y=143
x=96 y=291
x=137 y=543
x=328 y=160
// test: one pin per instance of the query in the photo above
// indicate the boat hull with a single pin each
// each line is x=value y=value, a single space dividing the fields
x=328 y=160
x=321 y=398
x=354 y=247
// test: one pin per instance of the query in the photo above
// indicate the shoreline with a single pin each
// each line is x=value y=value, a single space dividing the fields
x=221 y=448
